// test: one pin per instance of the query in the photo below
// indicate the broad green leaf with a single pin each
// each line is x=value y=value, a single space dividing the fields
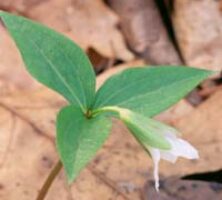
x=149 y=90
x=53 y=59
x=79 y=138
x=146 y=130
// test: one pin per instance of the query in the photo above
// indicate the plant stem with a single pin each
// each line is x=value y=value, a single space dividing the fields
x=47 y=184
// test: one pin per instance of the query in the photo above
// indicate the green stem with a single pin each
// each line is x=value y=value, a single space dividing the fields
x=111 y=109
x=47 y=184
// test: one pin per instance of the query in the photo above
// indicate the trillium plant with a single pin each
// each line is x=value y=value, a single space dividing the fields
x=133 y=96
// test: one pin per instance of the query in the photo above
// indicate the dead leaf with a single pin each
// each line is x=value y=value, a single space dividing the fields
x=22 y=172
x=18 y=6
x=174 y=189
x=204 y=127
x=13 y=74
x=178 y=111
x=145 y=32
x=198 y=27
x=91 y=24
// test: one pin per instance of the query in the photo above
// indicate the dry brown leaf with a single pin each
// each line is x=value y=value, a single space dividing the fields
x=180 y=110
x=175 y=189
x=204 y=127
x=27 y=160
x=198 y=26
x=12 y=71
x=18 y=6
x=13 y=5
x=145 y=31
x=90 y=23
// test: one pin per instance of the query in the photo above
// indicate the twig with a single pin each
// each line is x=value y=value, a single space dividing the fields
x=49 y=181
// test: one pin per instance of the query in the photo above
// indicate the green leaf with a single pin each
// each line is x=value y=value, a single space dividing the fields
x=146 y=130
x=79 y=138
x=53 y=59
x=149 y=90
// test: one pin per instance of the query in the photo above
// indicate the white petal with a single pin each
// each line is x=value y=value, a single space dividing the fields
x=167 y=155
x=182 y=148
x=179 y=147
x=155 y=154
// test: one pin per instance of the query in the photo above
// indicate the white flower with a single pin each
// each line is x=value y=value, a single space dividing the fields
x=160 y=140
x=179 y=147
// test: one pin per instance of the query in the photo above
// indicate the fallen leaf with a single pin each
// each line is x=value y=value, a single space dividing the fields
x=175 y=188
x=91 y=24
x=204 y=128
x=198 y=27
x=13 y=75
x=145 y=32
